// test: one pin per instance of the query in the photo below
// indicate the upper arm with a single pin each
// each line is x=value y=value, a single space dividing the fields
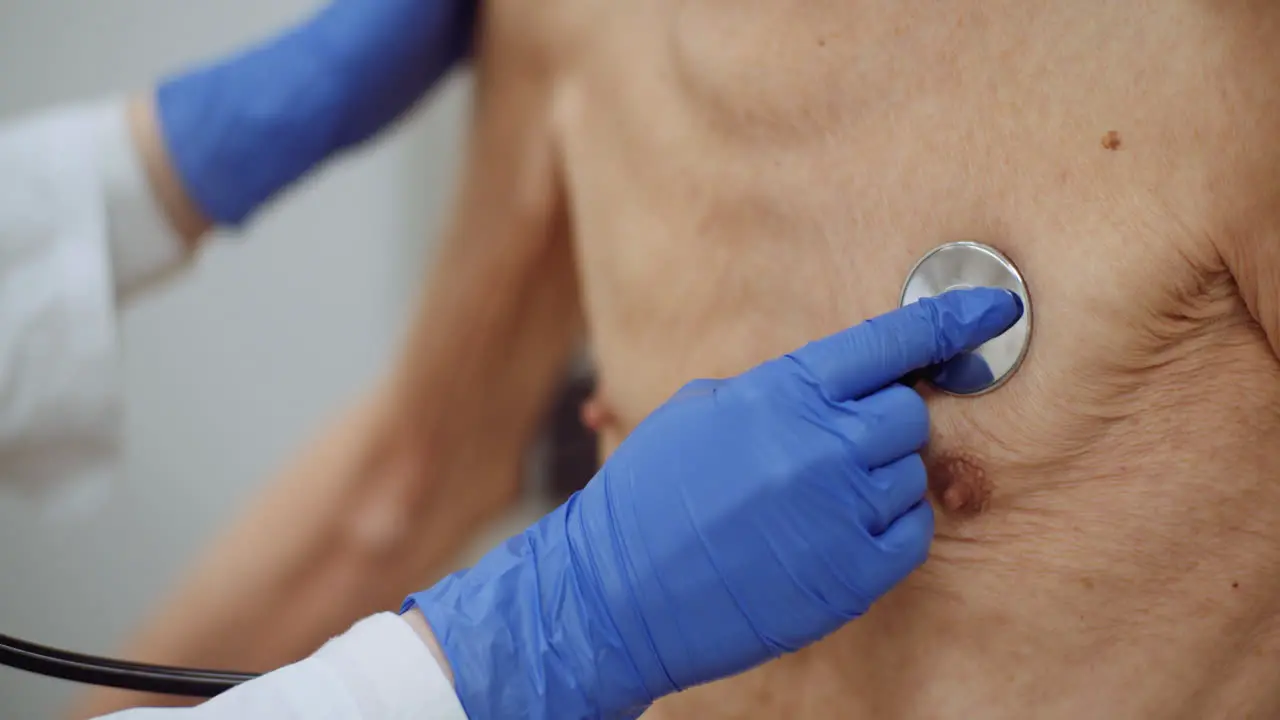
x=500 y=315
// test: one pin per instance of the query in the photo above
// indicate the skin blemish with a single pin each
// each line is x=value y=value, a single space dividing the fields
x=1111 y=141
x=958 y=482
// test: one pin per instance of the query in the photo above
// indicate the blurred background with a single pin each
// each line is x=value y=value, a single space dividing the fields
x=232 y=369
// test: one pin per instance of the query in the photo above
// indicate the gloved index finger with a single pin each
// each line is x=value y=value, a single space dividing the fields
x=866 y=357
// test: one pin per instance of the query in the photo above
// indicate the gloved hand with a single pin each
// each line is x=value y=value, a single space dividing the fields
x=744 y=519
x=240 y=130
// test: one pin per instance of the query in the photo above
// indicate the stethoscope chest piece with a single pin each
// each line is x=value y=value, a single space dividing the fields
x=966 y=264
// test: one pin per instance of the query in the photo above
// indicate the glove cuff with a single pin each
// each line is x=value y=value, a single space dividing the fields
x=239 y=131
x=525 y=635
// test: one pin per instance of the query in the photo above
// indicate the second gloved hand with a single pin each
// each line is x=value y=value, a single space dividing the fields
x=240 y=130
x=744 y=519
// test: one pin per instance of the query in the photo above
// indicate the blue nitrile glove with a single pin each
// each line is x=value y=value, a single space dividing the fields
x=242 y=129
x=744 y=519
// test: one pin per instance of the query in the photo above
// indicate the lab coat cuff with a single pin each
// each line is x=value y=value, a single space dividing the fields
x=145 y=248
x=389 y=671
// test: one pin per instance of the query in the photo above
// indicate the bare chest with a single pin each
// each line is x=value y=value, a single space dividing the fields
x=747 y=176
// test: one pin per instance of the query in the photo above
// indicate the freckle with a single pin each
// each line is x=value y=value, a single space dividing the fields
x=1111 y=141
x=822 y=42
x=1088 y=583
x=958 y=482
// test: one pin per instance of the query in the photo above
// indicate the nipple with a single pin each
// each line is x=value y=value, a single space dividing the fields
x=958 y=482
x=595 y=413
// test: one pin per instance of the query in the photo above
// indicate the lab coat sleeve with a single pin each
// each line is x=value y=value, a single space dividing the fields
x=79 y=229
x=378 y=670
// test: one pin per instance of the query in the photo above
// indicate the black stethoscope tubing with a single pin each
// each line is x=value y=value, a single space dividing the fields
x=109 y=672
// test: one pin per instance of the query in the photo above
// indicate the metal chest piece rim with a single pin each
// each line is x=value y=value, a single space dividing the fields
x=966 y=264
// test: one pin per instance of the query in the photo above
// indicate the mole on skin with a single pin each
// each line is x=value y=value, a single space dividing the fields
x=958 y=482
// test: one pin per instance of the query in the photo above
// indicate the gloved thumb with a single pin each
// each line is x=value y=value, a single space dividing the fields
x=866 y=357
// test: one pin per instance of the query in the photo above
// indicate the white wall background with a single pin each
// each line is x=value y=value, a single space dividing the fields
x=230 y=369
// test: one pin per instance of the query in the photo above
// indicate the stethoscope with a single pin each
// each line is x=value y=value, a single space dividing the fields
x=109 y=672
x=947 y=267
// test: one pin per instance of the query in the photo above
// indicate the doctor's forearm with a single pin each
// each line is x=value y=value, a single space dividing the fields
x=419 y=624
x=179 y=209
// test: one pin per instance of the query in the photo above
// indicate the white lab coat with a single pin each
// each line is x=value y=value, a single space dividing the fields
x=80 y=232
